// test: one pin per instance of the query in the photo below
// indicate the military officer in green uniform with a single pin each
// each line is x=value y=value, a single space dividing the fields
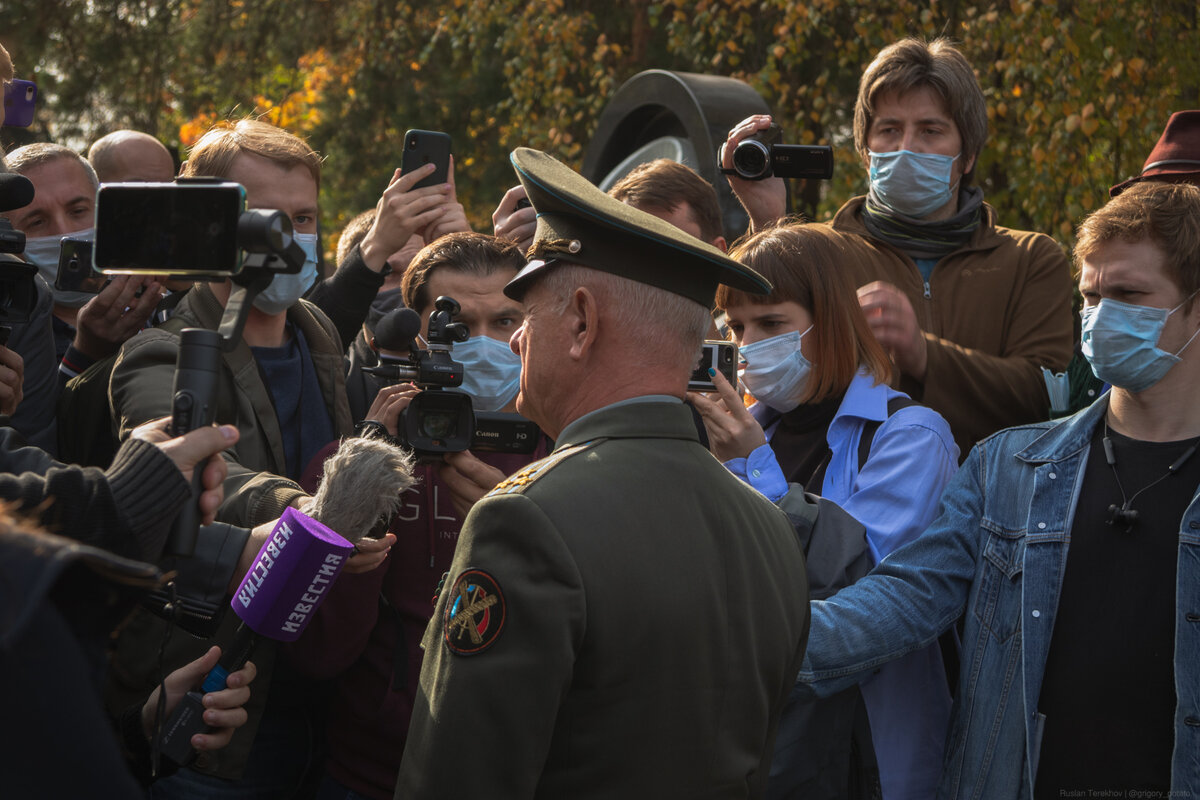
x=623 y=619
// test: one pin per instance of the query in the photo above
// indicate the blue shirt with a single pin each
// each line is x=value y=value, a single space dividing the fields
x=895 y=497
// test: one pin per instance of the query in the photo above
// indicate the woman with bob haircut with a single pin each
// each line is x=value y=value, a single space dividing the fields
x=824 y=417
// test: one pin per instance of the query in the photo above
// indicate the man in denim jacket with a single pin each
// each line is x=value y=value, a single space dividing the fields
x=1073 y=548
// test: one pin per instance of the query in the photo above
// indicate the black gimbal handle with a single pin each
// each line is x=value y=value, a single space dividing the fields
x=193 y=406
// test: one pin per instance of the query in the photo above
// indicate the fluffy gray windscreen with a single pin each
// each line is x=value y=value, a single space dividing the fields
x=362 y=483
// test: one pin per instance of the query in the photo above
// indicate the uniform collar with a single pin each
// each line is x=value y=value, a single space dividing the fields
x=651 y=416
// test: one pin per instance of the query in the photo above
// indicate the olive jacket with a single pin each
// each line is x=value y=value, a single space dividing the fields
x=623 y=618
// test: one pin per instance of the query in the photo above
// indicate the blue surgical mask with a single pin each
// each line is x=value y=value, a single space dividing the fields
x=1120 y=341
x=491 y=372
x=284 y=290
x=776 y=372
x=912 y=184
x=42 y=252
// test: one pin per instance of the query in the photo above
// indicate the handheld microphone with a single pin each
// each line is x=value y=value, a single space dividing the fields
x=358 y=493
x=277 y=598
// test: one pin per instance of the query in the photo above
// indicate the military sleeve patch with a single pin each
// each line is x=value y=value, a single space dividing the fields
x=475 y=613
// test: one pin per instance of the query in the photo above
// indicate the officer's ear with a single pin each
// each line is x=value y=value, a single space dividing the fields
x=582 y=314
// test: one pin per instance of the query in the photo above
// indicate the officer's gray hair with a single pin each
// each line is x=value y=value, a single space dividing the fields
x=670 y=326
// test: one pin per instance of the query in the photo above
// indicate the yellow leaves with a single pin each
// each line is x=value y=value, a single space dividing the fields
x=1016 y=91
x=191 y=131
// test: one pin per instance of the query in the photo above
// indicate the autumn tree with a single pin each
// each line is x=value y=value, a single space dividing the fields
x=1077 y=91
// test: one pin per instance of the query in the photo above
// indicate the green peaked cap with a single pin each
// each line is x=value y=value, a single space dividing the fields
x=579 y=224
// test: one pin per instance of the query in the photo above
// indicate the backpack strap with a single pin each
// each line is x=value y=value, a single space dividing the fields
x=872 y=427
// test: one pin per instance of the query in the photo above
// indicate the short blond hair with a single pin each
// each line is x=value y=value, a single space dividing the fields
x=214 y=154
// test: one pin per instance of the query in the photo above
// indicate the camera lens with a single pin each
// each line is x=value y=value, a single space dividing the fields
x=438 y=424
x=752 y=160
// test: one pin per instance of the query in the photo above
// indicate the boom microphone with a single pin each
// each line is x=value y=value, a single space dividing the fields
x=361 y=486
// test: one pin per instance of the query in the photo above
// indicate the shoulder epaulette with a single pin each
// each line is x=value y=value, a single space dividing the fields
x=515 y=484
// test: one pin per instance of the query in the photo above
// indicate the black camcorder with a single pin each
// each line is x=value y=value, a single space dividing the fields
x=440 y=419
x=762 y=156
x=436 y=421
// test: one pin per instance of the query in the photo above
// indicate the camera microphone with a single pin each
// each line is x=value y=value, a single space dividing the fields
x=397 y=329
x=16 y=191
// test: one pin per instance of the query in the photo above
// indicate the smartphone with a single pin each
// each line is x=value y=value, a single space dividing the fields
x=75 y=272
x=20 y=97
x=169 y=228
x=427 y=147
x=719 y=355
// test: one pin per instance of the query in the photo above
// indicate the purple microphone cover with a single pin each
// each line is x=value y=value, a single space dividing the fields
x=290 y=577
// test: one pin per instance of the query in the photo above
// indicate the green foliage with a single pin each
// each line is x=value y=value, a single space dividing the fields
x=1077 y=91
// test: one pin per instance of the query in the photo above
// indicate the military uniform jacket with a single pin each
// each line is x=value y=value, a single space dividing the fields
x=623 y=618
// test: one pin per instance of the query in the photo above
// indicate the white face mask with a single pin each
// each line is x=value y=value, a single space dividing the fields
x=491 y=372
x=42 y=252
x=776 y=371
x=284 y=290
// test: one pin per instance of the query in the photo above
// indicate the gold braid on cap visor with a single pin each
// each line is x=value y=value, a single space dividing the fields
x=551 y=249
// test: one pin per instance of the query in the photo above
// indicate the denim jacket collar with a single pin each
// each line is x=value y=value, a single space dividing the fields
x=1068 y=439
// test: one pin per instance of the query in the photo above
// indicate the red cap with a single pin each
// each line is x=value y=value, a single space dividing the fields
x=1176 y=157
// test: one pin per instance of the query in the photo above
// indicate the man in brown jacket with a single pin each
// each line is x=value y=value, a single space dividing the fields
x=969 y=310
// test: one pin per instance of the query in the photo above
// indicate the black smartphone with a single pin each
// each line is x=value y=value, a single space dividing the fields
x=169 y=228
x=75 y=271
x=20 y=98
x=427 y=147
x=719 y=355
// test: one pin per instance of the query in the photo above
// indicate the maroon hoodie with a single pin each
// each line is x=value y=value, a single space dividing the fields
x=366 y=636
